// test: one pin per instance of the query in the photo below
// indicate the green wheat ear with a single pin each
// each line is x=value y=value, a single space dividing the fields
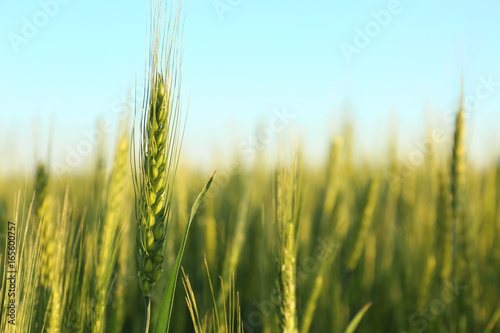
x=444 y=228
x=365 y=225
x=288 y=203
x=159 y=157
x=458 y=164
x=41 y=185
x=43 y=215
x=457 y=177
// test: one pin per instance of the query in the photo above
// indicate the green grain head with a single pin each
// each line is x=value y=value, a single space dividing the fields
x=288 y=202
x=41 y=185
x=154 y=179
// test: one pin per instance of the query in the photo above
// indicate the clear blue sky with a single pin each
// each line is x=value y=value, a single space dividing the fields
x=241 y=65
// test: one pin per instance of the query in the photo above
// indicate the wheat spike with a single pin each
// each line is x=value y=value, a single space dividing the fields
x=288 y=198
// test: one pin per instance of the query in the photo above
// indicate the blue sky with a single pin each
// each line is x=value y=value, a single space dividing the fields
x=243 y=64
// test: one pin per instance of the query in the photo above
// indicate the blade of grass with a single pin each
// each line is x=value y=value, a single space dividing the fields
x=357 y=319
x=493 y=322
x=165 y=312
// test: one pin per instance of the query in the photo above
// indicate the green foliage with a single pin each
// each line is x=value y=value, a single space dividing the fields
x=163 y=321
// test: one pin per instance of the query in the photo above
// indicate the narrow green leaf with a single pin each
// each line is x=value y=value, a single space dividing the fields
x=165 y=312
x=357 y=319
x=493 y=321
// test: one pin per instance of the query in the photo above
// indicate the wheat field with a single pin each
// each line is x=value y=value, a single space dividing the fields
x=143 y=241
x=288 y=248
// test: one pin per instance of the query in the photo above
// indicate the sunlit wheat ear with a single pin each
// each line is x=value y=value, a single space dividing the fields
x=464 y=254
x=444 y=229
x=427 y=278
x=457 y=179
x=41 y=188
x=117 y=193
x=48 y=229
x=458 y=164
x=333 y=177
x=159 y=157
x=158 y=141
x=233 y=255
x=57 y=267
x=288 y=201
x=366 y=222
x=112 y=227
x=390 y=214
x=43 y=214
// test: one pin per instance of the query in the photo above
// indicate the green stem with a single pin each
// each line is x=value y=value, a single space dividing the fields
x=147 y=318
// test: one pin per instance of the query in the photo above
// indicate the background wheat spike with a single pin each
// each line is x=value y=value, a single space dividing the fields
x=365 y=223
x=111 y=226
x=288 y=200
x=41 y=189
x=457 y=182
x=444 y=229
